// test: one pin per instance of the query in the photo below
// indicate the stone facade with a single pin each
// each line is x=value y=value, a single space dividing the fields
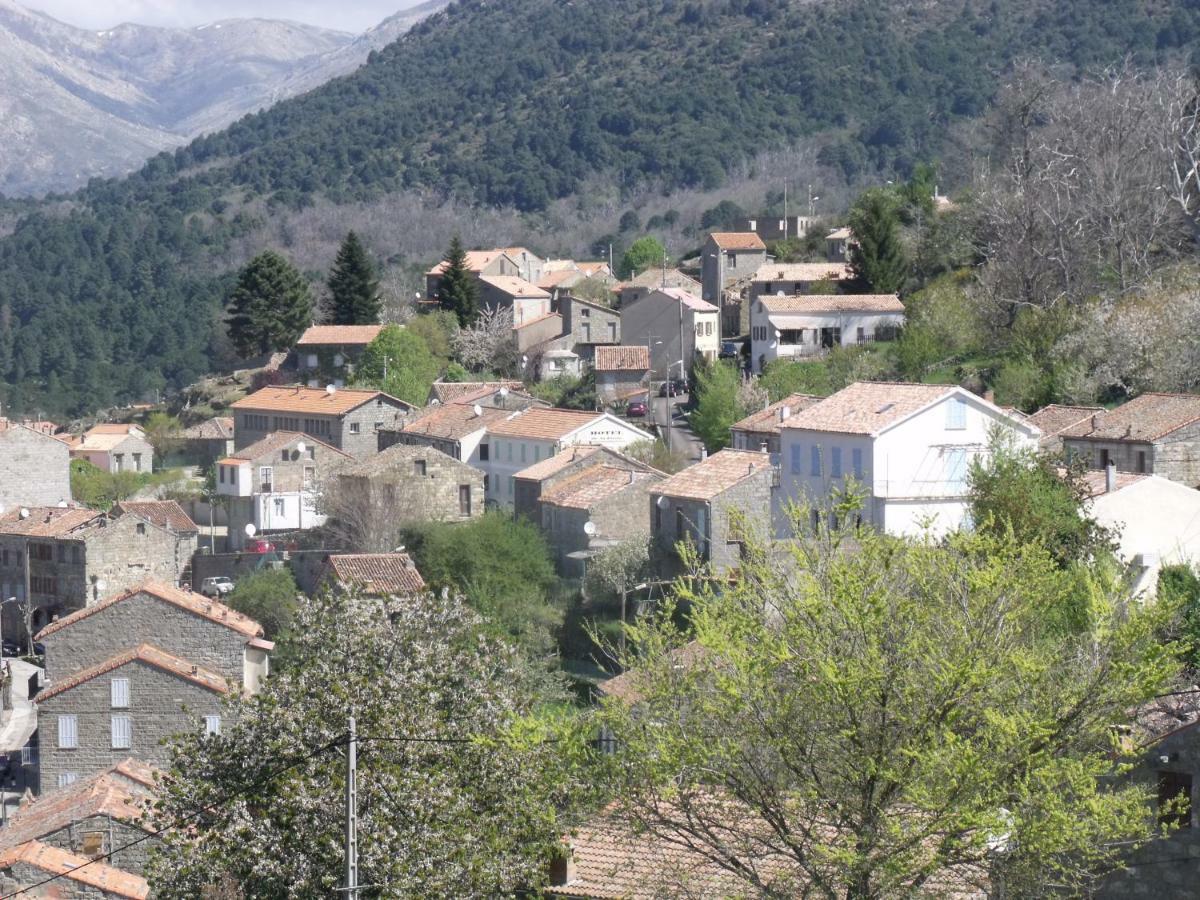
x=35 y=469
x=588 y=323
x=1175 y=456
x=114 y=837
x=161 y=704
x=622 y=515
x=21 y=874
x=354 y=431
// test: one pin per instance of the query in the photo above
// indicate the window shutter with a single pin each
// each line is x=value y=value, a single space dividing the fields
x=212 y=725
x=816 y=460
x=68 y=732
x=956 y=414
x=856 y=460
x=796 y=463
x=122 y=733
x=836 y=463
x=66 y=778
x=120 y=693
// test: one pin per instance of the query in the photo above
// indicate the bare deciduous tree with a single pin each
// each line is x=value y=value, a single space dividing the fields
x=362 y=514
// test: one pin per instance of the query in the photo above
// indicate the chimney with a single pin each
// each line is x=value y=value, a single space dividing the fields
x=195 y=670
x=1110 y=478
x=562 y=868
x=749 y=468
x=1095 y=422
x=703 y=453
x=989 y=395
x=762 y=446
x=784 y=413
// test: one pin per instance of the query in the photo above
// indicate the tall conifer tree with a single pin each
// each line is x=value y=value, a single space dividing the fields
x=876 y=254
x=353 y=285
x=457 y=290
x=270 y=307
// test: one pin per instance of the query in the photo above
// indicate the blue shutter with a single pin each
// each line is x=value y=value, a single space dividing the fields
x=956 y=414
x=836 y=463
x=956 y=467
x=856 y=457
x=815 y=455
x=796 y=463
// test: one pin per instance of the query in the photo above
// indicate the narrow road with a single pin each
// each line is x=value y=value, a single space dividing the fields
x=682 y=440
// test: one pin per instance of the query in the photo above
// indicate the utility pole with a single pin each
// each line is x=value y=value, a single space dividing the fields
x=351 y=886
x=785 y=218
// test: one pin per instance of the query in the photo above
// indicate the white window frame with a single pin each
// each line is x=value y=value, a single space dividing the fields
x=280 y=506
x=212 y=725
x=956 y=414
x=122 y=732
x=119 y=692
x=66 y=779
x=68 y=732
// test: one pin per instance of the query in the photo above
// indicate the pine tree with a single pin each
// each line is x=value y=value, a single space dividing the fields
x=877 y=256
x=353 y=285
x=457 y=290
x=270 y=306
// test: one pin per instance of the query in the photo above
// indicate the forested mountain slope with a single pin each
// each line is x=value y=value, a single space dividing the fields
x=516 y=102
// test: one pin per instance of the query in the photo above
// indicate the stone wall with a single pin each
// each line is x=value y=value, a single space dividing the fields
x=1176 y=457
x=116 y=834
x=621 y=516
x=35 y=470
x=710 y=525
x=306 y=566
x=143 y=618
x=157 y=704
x=22 y=875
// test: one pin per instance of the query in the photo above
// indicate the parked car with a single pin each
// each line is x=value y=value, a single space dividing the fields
x=18 y=648
x=216 y=587
x=729 y=350
x=636 y=410
x=260 y=546
x=673 y=388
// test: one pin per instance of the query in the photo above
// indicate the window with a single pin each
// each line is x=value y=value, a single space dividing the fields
x=509 y=445
x=122 y=732
x=612 y=332
x=956 y=414
x=212 y=725
x=791 y=336
x=419 y=468
x=280 y=506
x=68 y=732
x=680 y=529
x=464 y=499
x=117 y=460
x=483 y=452
x=221 y=474
x=265 y=479
x=835 y=462
x=312 y=452
x=311 y=360
x=62 y=553
x=66 y=779
x=587 y=333
x=120 y=693
x=1175 y=788
x=862 y=335
x=856 y=462
x=956 y=467
x=522 y=452
x=537 y=453
x=815 y=460
x=708 y=329
x=1141 y=462
x=1104 y=459
x=309 y=477
x=141 y=528
x=511 y=481
x=796 y=460
x=137 y=462
x=283 y=456
x=93 y=844
x=354 y=428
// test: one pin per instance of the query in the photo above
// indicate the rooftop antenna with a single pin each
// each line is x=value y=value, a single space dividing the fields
x=330 y=390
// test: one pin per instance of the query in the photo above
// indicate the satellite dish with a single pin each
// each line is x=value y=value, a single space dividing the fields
x=661 y=501
x=300 y=447
x=24 y=512
x=62 y=504
x=503 y=392
x=477 y=409
x=589 y=528
x=250 y=529
x=101 y=585
x=330 y=390
x=524 y=360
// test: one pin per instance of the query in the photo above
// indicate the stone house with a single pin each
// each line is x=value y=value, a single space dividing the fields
x=169 y=515
x=457 y=429
x=100 y=815
x=1152 y=434
x=676 y=325
x=72 y=876
x=528 y=302
x=35 y=468
x=208 y=441
x=761 y=429
x=837 y=245
x=65 y=558
x=479 y=263
x=808 y=325
x=530 y=266
x=778 y=228
x=1055 y=418
x=639 y=286
x=622 y=373
x=375 y=574
x=126 y=705
x=327 y=354
x=586 y=324
x=728 y=258
x=455 y=391
x=612 y=498
x=275 y=484
x=712 y=505
x=186 y=625
x=115 y=448
x=369 y=501
x=346 y=419
x=530 y=483
x=794 y=279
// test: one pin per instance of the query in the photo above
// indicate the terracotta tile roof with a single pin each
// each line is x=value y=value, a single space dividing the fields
x=80 y=869
x=868 y=407
x=47 y=521
x=653 y=278
x=688 y=299
x=713 y=476
x=540 y=471
x=108 y=436
x=397 y=461
x=1055 y=418
x=151 y=656
x=196 y=604
x=378 y=573
x=627 y=687
x=339 y=335
x=218 y=428
x=767 y=421
x=1096 y=482
x=1144 y=418
x=538 y=320
x=117 y=792
x=1164 y=716
x=477 y=261
x=311 y=400
x=270 y=446
x=839 y=234
x=819 y=271
x=537 y=423
x=163 y=513
x=451 y=391
x=514 y=286
x=738 y=240
x=454 y=421
x=113 y=428
x=622 y=359
x=587 y=488
x=591 y=269
x=832 y=303
x=552 y=279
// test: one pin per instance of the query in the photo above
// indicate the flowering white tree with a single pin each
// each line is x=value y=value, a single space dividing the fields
x=460 y=794
x=488 y=343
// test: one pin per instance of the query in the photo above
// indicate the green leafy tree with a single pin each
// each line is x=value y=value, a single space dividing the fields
x=436 y=329
x=644 y=253
x=270 y=306
x=717 y=406
x=502 y=568
x=399 y=363
x=877 y=255
x=782 y=377
x=164 y=433
x=460 y=791
x=354 y=285
x=97 y=489
x=269 y=596
x=657 y=454
x=458 y=291
x=866 y=724
x=1179 y=585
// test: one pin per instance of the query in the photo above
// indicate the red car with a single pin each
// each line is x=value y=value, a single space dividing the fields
x=636 y=410
x=260 y=547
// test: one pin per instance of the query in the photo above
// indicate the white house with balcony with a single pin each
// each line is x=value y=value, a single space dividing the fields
x=807 y=325
x=532 y=435
x=907 y=448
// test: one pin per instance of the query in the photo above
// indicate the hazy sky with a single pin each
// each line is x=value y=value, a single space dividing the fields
x=346 y=15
